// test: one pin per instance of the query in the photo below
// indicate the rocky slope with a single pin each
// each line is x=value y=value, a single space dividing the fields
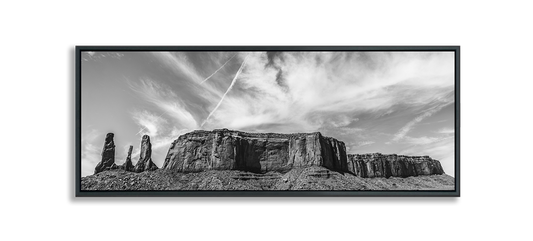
x=302 y=178
x=224 y=149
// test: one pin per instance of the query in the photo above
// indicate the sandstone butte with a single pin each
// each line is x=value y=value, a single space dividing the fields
x=223 y=149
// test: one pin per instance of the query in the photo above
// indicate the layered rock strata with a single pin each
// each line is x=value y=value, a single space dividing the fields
x=224 y=149
x=379 y=165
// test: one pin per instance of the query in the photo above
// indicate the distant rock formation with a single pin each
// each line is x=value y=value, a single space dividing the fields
x=224 y=149
x=145 y=160
x=128 y=165
x=108 y=155
x=379 y=165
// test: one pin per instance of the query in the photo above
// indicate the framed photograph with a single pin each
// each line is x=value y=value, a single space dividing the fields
x=267 y=121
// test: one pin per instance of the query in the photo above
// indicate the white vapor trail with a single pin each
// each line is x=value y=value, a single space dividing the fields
x=218 y=69
x=227 y=91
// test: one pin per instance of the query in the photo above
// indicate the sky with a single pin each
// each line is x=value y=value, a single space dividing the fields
x=387 y=102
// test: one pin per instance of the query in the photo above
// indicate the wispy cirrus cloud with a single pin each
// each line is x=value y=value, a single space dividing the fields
x=442 y=149
x=423 y=140
x=161 y=131
x=90 y=153
x=171 y=120
x=352 y=147
x=405 y=129
x=301 y=92
x=180 y=64
x=446 y=131
x=166 y=100
x=150 y=123
x=297 y=89
x=160 y=144
x=364 y=143
x=95 y=56
x=306 y=87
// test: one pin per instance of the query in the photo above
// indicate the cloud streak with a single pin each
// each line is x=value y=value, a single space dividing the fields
x=166 y=100
x=150 y=123
x=316 y=85
x=90 y=153
x=180 y=64
x=216 y=71
x=302 y=89
x=364 y=143
x=228 y=90
x=442 y=149
x=446 y=131
x=405 y=129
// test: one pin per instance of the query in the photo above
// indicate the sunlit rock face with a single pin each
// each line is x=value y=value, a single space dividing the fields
x=379 y=165
x=145 y=162
x=224 y=149
x=108 y=155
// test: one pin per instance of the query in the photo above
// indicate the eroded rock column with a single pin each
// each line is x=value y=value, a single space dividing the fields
x=108 y=155
x=145 y=160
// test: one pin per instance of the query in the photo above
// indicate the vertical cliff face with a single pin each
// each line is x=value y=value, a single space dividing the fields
x=145 y=160
x=224 y=149
x=108 y=155
x=379 y=165
x=257 y=152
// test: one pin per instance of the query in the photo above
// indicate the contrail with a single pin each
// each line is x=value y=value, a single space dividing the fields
x=218 y=69
x=227 y=91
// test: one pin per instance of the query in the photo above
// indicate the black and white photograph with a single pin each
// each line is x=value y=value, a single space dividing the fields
x=293 y=120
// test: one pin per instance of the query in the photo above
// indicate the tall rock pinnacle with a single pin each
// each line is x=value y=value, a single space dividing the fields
x=108 y=155
x=128 y=165
x=145 y=160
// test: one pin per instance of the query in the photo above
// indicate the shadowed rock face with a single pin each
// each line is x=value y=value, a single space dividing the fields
x=145 y=160
x=224 y=149
x=378 y=165
x=108 y=155
x=128 y=165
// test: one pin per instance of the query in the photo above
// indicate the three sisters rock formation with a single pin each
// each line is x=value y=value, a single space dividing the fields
x=223 y=149
x=108 y=157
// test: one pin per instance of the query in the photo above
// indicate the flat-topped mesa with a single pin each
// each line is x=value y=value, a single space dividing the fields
x=108 y=155
x=223 y=149
x=145 y=160
x=379 y=165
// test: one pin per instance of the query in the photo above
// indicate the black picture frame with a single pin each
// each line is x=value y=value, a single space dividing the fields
x=455 y=47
